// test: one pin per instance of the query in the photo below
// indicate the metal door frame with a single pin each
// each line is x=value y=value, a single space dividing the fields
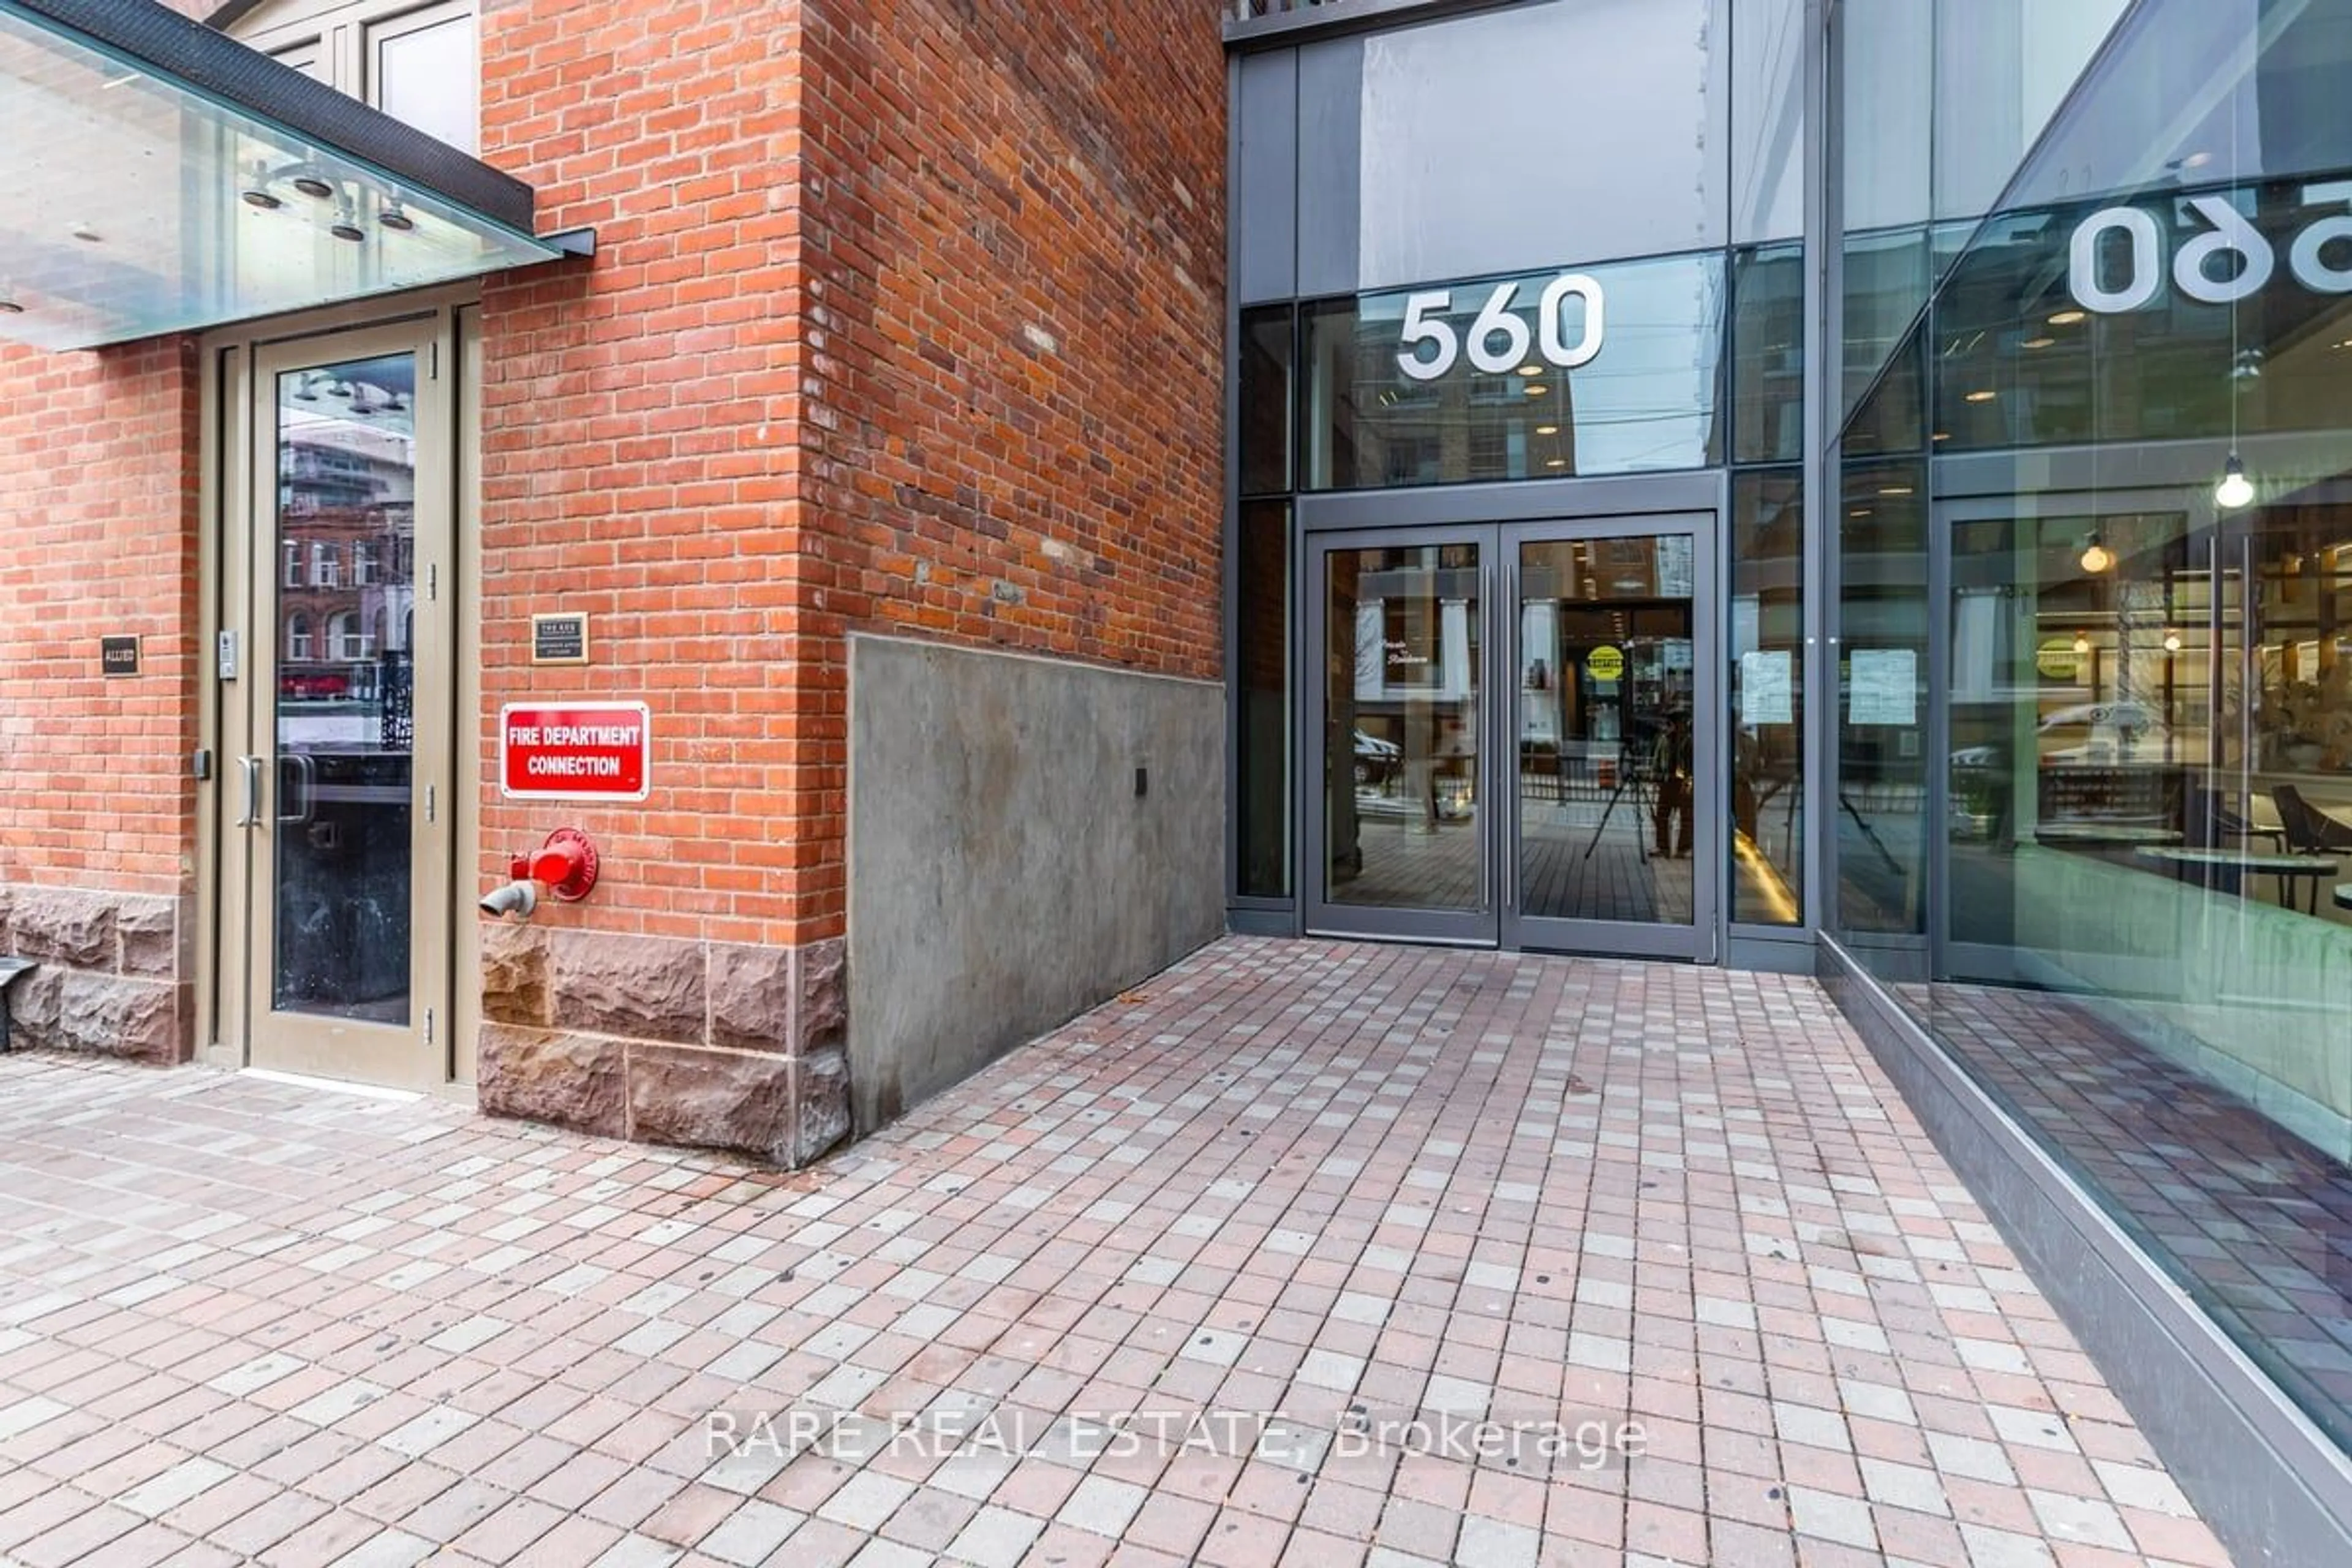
x=1320 y=915
x=417 y=1053
x=1700 y=941
x=1498 y=921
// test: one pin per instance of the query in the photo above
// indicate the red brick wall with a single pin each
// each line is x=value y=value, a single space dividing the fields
x=906 y=317
x=1020 y=212
x=1016 y=427
x=640 y=420
x=98 y=536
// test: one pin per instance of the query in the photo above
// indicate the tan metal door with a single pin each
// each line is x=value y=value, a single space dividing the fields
x=339 y=798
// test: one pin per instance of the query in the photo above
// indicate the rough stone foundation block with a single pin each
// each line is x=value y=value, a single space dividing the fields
x=822 y=1020
x=546 y=1074
x=515 y=988
x=750 y=997
x=820 y=1104
x=739 y=1101
x=647 y=988
x=61 y=925
x=113 y=1015
x=150 y=932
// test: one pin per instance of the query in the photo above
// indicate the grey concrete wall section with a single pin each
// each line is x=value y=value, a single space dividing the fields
x=1004 y=874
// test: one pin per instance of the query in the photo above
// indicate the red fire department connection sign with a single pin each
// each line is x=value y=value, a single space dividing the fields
x=575 y=751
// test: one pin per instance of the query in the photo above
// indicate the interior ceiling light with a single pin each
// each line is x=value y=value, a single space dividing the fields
x=2097 y=557
x=2172 y=642
x=2068 y=317
x=1894 y=490
x=2082 y=642
x=1556 y=463
x=2235 y=490
x=1530 y=370
x=1536 y=389
x=1546 y=429
x=2041 y=342
x=1982 y=395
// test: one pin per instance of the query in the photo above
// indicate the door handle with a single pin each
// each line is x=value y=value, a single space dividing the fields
x=306 y=772
x=249 y=769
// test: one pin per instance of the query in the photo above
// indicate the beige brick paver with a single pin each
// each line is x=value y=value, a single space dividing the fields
x=1265 y=1261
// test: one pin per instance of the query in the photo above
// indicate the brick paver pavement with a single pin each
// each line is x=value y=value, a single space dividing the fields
x=1303 y=1252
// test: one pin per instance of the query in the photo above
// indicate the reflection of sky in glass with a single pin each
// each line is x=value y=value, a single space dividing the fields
x=1647 y=400
x=1533 y=132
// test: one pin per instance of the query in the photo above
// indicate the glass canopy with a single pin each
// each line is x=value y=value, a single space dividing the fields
x=168 y=178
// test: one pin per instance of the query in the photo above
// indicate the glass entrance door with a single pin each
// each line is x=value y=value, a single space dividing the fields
x=1613 y=840
x=341 y=805
x=1400 y=827
x=1515 y=728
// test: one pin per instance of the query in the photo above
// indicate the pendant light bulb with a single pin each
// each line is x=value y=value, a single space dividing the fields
x=2172 y=642
x=2235 y=490
x=2082 y=642
x=2097 y=557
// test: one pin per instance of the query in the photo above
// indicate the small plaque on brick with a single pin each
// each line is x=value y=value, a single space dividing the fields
x=560 y=638
x=118 y=655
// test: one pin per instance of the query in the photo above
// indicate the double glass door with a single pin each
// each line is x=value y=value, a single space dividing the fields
x=1518 y=730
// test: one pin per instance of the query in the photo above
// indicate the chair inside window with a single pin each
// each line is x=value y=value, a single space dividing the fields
x=2309 y=830
x=2209 y=824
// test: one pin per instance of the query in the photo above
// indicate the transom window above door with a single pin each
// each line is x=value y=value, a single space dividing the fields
x=420 y=64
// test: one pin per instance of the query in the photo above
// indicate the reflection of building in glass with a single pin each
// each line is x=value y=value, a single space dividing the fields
x=346 y=546
x=1646 y=400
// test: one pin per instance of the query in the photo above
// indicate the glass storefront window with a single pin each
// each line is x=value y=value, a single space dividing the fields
x=1262 y=725
x=1768 y=355
x=2150 y=883
x=1767 y=121
x=1881 y=798
x=1603 y=369
x=1768 y=710
x=2205 y=311
x=2003 y=68
x=1266 y=400
x=1515 y=138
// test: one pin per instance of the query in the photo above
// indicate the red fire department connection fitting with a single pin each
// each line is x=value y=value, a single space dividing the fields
x=565 y=866
x=566 y=863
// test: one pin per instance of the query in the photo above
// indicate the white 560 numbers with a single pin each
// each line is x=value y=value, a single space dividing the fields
x=1499 y=342
x=2227 y=234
